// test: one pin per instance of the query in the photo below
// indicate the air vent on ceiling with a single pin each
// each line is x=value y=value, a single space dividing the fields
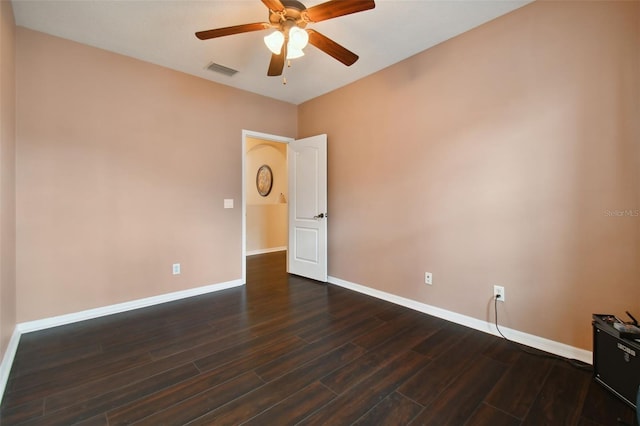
x=229 y=72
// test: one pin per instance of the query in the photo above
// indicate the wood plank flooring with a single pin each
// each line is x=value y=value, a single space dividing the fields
x=285 y=350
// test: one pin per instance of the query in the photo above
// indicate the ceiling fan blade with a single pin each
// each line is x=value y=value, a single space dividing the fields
x=277 y=62
x=236 y=29
x=275 y=5
x=335 y=8
x=332 y=48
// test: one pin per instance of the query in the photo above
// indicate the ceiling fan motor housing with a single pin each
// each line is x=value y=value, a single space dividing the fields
x=292 y=15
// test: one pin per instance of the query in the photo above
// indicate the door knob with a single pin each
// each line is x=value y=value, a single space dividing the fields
x=320 y=216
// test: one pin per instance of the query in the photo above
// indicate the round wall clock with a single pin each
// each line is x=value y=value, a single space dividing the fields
x=264 y=180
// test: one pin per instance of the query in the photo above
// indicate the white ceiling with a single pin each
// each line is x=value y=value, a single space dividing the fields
x=162 y=32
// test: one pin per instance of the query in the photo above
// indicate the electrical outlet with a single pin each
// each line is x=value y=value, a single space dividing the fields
x=176 y=269
x=498 y=290
x=428 y=278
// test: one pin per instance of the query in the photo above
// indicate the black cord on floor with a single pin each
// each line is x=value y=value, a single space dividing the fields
x=573 y=362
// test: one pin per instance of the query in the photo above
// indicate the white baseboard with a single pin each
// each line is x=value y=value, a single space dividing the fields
x=7 y=361
x=531 y=340
x=267 y=250
x=27 y=327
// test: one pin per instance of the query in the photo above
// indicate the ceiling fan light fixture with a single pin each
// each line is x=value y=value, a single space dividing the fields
x=298 y=38
x=274 y=42
x=293 y=52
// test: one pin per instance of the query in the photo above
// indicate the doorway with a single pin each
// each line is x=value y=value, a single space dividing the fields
x=264 y=203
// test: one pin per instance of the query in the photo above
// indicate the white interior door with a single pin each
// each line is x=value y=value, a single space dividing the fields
x=307 y=162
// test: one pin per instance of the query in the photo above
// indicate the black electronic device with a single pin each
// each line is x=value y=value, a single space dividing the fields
x=627 y=331
x=637 y=404
x=616 y=357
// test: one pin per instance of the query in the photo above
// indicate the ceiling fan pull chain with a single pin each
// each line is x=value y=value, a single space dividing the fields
x=284 y=81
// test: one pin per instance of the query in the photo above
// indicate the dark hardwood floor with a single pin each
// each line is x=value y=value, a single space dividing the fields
x=285 y=350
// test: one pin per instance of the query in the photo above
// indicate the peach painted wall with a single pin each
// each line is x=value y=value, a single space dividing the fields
x=122 y=169
x=498 y=157
x=7 y=175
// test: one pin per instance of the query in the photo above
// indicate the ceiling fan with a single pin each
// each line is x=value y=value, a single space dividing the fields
x=289 y=18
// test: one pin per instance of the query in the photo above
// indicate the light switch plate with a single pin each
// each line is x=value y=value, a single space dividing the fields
x=228 y=203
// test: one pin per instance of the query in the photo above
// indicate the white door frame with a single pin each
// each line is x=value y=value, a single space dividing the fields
x=256 y=135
